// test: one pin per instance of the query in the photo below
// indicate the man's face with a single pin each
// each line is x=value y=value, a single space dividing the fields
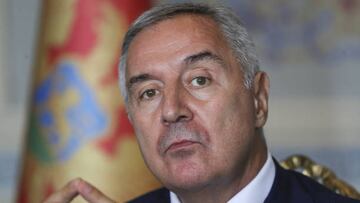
x=193 y=118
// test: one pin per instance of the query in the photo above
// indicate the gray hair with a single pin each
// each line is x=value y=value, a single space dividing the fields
x=231 y=27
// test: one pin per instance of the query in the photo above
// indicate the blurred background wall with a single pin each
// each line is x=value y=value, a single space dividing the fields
x=18 y=27
x=311 y=51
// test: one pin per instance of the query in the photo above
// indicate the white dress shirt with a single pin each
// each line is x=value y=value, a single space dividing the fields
x=254 y=192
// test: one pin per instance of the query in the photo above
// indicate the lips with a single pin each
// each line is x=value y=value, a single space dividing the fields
x=181 y=136
x=180 y=145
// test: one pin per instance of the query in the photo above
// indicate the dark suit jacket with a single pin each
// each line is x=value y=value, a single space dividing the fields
x=288 y=187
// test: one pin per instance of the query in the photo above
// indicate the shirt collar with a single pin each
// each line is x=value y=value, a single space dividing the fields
x=256 y=191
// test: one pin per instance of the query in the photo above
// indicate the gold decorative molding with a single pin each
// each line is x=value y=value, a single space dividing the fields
x=321 y=174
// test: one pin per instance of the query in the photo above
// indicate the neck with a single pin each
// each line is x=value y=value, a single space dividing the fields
x=224 y=189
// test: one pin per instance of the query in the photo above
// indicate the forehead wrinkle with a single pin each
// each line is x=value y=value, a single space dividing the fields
x=207 y=30
x=205 y=55
x=206 y=27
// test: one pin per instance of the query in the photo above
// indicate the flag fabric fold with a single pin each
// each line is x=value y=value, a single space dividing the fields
x=77 y=124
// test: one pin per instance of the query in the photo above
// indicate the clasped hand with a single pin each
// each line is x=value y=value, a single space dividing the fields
x=78 y=187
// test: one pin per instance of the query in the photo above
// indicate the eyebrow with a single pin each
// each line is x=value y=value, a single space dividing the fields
x=138 y=78
x=204 y=55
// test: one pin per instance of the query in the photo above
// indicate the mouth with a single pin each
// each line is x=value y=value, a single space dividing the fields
x=180 y=145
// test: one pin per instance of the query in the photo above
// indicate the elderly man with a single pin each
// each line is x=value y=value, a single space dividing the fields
x=198 y=102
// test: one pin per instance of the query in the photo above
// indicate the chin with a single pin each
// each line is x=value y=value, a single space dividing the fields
x=187 y=183
x=187 y=176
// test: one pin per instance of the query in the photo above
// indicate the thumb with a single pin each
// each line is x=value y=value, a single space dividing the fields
x=65 y=194
x=92 y=194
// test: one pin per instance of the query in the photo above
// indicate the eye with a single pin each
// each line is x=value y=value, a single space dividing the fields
x=148 y=94
x=200 y=81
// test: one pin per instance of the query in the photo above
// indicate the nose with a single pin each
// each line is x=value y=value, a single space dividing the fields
x=175 y=107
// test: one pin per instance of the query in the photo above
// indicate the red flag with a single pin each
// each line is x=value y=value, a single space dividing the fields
x=78 y=126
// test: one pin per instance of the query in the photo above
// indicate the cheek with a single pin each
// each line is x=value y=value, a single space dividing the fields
x=146 y=132
x=233 y=122
x=147 y=126
x=147 y=108
x=223 y=112
x=147 y=147
x=234 y=130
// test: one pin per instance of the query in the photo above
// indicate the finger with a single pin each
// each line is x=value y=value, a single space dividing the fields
x=92 y=194
x=65 y=194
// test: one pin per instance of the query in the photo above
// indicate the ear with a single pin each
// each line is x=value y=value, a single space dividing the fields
x=261 y=96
